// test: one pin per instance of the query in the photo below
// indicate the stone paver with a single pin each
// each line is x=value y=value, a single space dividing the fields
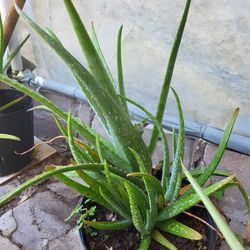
x=69 y=241
x=233 y=203
x=6 y=244
x=7 y=223
x=40 y=219
x=62 y=190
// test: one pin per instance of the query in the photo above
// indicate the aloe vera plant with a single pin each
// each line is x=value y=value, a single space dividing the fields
x=119 y=176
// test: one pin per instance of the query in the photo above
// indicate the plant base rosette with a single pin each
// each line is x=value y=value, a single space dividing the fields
x=129 y=239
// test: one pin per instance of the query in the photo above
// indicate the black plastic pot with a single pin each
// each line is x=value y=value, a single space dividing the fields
x=211 y=235
x=17 y=121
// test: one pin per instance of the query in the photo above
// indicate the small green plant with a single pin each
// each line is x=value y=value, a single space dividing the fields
x=118 y=175
x=5 y=63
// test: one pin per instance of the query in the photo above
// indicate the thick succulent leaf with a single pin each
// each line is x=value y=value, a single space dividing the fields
x=157 y=236
x=9 y=137
x=119 y=69
x=12 y=103
x=83 y=190
x=244 y=195
x=87 y=153
x=6 y=63
x=219 y=152
x=109 y=110
x=74 y=150
x=145 y=242
x=123 y=193
x=114 y=204
x=217 y=217
x=168 y=77
x=174 y=142
x=109 y=225
x=98 y=148
x=175 y=180
x=53 y=35
x=112 y=185
x=152 y=195
x=184 y=203
x=51 y=171
x=99 y=51
x=102 y=76
x=137 y=218
x=166 y=161
x=84 y=130
x=138 y=192
x=177 y=228
x=95 y=63
x=155 y=183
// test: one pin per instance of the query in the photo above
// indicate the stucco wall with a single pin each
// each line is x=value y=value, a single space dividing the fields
x=213 y=67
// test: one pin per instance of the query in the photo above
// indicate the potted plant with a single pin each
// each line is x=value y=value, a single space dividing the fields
x=14 y=119
x=118 y=176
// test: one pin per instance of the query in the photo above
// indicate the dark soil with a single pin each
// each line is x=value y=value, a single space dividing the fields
x=129 y=239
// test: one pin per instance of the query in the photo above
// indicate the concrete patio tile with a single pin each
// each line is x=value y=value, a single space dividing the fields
x=40 y=219
x=62 y=190
x=7 y=223
x=233 y=203
x=6 y=244
x=69 y=241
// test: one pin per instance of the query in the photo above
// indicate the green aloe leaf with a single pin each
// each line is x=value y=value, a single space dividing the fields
x=52 y=171
x=175 y=180
x=115 y=119
x=177 y=228
x=9 y=137
x=168 y=77
x=84 y=130
x=94 y=61
x=99 y=51
x=217 y=217
x=137 y=218
x=166 y=162
x=107 y=195
x=6 y=63
x=174 y=142
x=155 y=183
x=83 y=190
x=119 y=69
x=79 y=158
x=87 y=154
x=152 y=196
x=109 y=225
x=157 y=236
x=219 y=152
x=145 y=242
x=186 y=202
x=12 y=103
